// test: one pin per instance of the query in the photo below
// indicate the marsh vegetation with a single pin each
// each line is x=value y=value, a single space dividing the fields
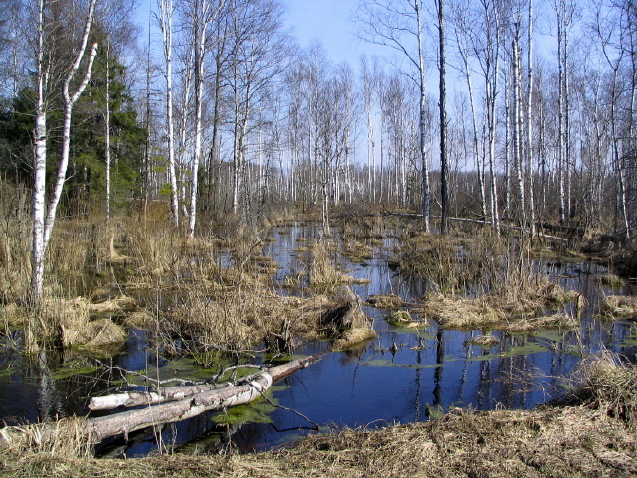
x=226 y=201
x=250 y=296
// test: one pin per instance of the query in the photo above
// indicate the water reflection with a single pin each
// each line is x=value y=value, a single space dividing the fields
x=401 y=376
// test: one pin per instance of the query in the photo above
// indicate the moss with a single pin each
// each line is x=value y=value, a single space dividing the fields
x=257 y=411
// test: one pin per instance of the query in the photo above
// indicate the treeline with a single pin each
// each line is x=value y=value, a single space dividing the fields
x=218 y=110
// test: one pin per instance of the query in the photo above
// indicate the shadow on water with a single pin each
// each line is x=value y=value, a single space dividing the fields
x=403 y=375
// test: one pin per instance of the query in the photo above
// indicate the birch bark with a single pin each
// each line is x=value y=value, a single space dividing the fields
x=43 y=219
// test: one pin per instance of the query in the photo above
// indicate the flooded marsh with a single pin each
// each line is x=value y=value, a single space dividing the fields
x=412 y=370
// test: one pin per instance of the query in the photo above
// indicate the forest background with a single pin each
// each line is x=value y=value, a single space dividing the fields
x=509 y=112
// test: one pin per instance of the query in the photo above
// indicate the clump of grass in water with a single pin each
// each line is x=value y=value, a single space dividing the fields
x=321 y=272
x=485 y=282
x=605 y=383
x=619 y=307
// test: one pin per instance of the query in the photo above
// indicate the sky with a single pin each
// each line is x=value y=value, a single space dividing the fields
x=328 y=21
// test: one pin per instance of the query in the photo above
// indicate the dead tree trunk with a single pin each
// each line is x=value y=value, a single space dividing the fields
x=97 y=429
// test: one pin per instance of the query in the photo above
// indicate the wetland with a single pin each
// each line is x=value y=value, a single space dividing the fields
x=270 y=298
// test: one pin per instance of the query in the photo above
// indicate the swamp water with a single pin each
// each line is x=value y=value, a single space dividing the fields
x=403 y=375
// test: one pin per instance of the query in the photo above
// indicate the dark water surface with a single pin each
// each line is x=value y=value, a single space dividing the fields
x=403 y=375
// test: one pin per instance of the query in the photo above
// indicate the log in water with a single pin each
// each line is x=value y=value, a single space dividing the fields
x=213 y=398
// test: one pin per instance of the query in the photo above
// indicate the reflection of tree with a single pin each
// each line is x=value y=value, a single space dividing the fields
x=418 y=379
x=465 y=372
x=440 y=354
x=48 y=401
x=484 y=387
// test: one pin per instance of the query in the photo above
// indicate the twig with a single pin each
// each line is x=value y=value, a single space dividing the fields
x=275 y=405
x=145 y=377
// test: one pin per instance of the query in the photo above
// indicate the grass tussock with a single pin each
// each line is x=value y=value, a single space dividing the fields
x=611 y=280
x=386 y=301
x=66 y=438
x=485 y=282
x=461 y=313
x=486 y=341
x=607 y=385
x=593 y=436
x=619 y=307
x=433 y=258
x=322 y=272
x=537 y=307
x=358 y=251
x=352 y=337
x=77 y=321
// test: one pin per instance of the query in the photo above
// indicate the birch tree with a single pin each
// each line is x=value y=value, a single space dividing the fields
x=43 y=216
x=370 y=80
x=165 y=18
x=398 y=25
x=259 y=54
x=198 y=16
x=463 y=28
x=564 y=13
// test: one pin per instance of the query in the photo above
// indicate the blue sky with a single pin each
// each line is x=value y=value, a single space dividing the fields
x=327 y=21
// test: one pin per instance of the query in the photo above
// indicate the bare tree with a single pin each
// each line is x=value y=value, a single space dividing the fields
x=165 y=19
x=398 y=25
x=442 y=106
x=370 y=80
x=43 y=217
x=259 y=53
x=464 y=26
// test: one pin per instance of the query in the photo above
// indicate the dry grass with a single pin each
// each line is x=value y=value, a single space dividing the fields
x=433 y=258
x=77 y=321
x=388 y=301
x=515 y=312
x=64 y=438
x=319 y=270
x=592 y=438
x=611 y=280
x=619 y=307
x=353 y=337
x=605 y=383
x=178 y=279
x=486 y=341
x=357 y=251
x=461 y=312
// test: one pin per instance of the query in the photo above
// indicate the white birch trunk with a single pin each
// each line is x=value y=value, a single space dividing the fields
x=39 y=188
x=166 y=25
x=107 y=137
x=69 y=101
x=422 y=125
x=560 y=129
x=492 y=90
x=43 y=222
x=517 y=127
x=529 y=121
x=199 y=75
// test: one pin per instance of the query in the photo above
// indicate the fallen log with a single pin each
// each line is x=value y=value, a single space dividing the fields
x=123 y=423
x=128 y=421
x=136 y=398
x=478 y=221
x=169 y=394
